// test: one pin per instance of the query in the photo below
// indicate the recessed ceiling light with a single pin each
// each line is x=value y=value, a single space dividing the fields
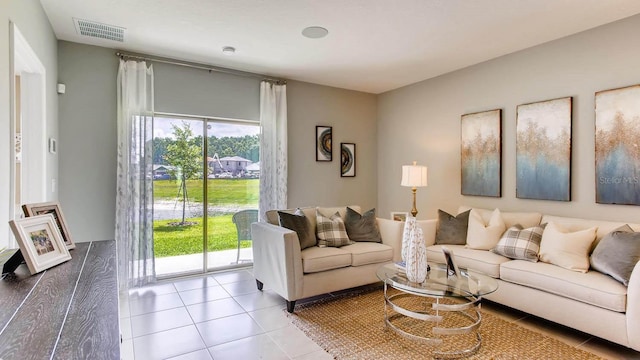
x=315 y=32
x=228 y=50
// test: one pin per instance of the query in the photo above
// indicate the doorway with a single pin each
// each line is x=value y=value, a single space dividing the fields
x=28 y=127
x=205 y=186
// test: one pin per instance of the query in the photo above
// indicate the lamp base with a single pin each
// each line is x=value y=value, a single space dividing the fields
x=414 y=211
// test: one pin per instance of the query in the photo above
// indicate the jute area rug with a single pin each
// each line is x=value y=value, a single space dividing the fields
x=351 y=326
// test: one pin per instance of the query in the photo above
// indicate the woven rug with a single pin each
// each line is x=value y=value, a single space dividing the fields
x=351 y=326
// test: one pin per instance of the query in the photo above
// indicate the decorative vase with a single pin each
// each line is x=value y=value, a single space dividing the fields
x=409 y=226
x=416 y=261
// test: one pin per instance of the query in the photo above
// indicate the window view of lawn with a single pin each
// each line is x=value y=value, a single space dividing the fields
x=187 y=153
x=226 y=196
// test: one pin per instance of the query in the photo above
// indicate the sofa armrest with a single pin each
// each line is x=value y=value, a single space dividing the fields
x=633 y=308
x=277 y=259
x=428 y=230
x=391 y=233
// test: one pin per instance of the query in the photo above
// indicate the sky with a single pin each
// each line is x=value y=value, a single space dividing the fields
x=162 y=128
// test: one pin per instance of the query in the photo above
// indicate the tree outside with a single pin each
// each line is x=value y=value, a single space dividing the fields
x=186 y=160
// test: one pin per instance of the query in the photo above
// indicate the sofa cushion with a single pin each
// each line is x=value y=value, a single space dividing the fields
x=362 y=227
x=452 y=230
x=482 y=261
x=526 y=219
x=617 y=254
x=299 y=223
x=592 y=287
x=310 y=213
x=317 y=259
x=364 y=253
x=331 y=230
x=520 y=244
x=482 y=235
x=569 y=250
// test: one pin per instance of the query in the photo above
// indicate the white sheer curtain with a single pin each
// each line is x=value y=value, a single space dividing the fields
x=134 y=197
x=273 y=147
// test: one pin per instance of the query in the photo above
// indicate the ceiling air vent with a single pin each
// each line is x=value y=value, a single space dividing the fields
x=98 y=30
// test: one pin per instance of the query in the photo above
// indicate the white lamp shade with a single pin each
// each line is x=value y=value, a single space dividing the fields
x=414 y=175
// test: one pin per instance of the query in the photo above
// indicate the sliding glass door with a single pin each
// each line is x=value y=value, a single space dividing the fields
x=205 y=193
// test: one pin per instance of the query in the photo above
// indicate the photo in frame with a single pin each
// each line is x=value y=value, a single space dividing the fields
x=450 y=261
x=324 y=136
x=481 y=153
x=347 y=160
x=617 y=130
x=399 y=216
x=54 y=209
x=543 y=150
x=40 y=242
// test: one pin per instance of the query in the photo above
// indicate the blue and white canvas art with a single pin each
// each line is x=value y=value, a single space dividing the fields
x=543 y=150
x=617 y=146
x=481 y=153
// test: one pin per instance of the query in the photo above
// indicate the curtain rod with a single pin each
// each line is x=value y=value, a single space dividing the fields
x=208 y=68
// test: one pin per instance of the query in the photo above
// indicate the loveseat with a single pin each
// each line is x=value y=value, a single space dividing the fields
x=295 y=273
x=589 y=301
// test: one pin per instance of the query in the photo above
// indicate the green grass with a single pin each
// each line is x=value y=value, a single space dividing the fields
x=222 y=235
x=221 y=191
x=185 y=240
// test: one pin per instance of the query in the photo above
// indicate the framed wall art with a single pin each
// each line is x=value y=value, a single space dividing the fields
x=481 y=153
x=347 y=159
x=52 y=208
x=40 y=242
x=324 y=136
x=543 y=150
x=399 y=216
x=617 y=130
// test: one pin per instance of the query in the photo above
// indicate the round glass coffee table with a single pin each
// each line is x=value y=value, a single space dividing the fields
x=443 y=305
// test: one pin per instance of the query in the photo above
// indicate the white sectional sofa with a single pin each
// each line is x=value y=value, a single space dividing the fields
x=590 y=302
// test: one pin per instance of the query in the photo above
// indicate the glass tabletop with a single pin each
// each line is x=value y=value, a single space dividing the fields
x=438 y=283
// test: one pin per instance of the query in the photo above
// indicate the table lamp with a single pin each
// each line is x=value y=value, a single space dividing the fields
x=414 y=176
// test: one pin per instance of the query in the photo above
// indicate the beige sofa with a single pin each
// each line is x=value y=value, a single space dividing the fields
x=590 y=302
x=279 y=263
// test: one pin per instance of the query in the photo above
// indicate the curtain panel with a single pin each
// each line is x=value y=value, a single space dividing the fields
x=273 y=147
x=134 y=196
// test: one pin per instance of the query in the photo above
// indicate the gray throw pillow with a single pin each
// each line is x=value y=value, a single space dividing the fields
x=362 y=227
x=617 y=254
x=452 y=230
x=299 y=223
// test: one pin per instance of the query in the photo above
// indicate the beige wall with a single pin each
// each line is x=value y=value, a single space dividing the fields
x=30 y=19
x=352 y=115
x=422 y=121
x=88 y=132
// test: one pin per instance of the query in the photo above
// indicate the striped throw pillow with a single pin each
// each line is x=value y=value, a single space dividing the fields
x=331 y=231
x=520 y=244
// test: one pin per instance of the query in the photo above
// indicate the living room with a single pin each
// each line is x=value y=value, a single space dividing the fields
x=417 y=122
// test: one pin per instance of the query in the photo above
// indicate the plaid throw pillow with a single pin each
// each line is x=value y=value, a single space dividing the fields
x=331 y=231
x=520 y=244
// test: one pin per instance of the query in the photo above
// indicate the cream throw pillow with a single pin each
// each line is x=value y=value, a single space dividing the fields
x=569 y=250
x=483 y=236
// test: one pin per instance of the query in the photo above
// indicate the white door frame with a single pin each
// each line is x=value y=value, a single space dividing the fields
x=25 y=63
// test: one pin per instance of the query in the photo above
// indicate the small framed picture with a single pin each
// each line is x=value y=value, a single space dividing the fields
x=52 y=208
x=40 y=242
x=399 y=216
x=347 y=160
x=324 y=136
x=452 y=267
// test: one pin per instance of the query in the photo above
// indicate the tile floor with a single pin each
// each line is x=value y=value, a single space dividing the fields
x=223 y=316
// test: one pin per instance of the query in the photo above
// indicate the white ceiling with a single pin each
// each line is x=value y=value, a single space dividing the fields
x=372 y=46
